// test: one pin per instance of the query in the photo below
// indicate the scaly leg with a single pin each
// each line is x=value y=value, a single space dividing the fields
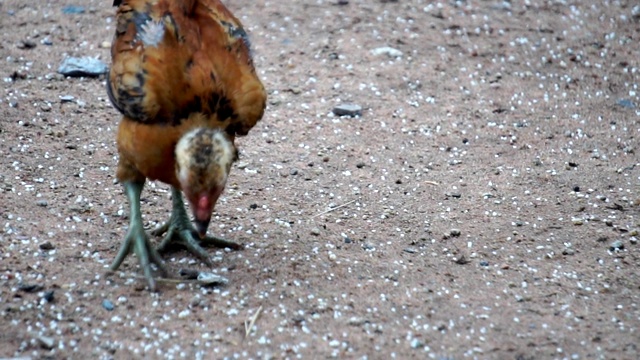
x=180 y=231
x=137 y=240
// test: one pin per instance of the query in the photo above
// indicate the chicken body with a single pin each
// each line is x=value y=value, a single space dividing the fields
x=182 y=75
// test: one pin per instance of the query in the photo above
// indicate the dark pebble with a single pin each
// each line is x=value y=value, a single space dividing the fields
x=484 y=263
x=27 y=44
x=189 y=274
x=107 y=305
x=253 y=206
x=48 y=296
x=30 y=288
x=47 y=245
x=576 y=188
x=347 y=240
x=360 y=165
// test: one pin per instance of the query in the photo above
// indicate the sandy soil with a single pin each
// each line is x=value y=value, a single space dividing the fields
x=483 y=206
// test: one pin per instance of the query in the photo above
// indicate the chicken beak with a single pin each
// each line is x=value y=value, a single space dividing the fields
x=202 y=226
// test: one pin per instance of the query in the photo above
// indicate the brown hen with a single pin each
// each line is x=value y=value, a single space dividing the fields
x=182 y=75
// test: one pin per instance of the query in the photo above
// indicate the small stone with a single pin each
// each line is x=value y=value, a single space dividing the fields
x=635 y=12
x=315 y=231
x=453 y=195
x=360 y=165
x=356 y=321
x=26 y=44
x=416 y=343
x=348 y=110
x=47 y=245
x=107 y=305
x=387 y=50
x=47 y=342
x=633 y=240
x=484 y=263
x=195 y=301
x=73 y=9
x=576 y=188
x=368 y=246
x=83 y=66
x=626 y=103
x=66 y=98
x=46 y=41
x=293 y=172
x=42 y=203
x=242 y=165
x=253 y=206
x=105 y=44
x=209 y=278
x=568 y=251
x=410 y=250
x=455 y=232
x=347 y=240
x=616 y=245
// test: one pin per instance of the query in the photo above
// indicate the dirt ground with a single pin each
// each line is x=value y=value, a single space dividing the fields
x=484 y=205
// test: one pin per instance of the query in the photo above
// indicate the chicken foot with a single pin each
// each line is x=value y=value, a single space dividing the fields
x=179 y=230
x=137 y=240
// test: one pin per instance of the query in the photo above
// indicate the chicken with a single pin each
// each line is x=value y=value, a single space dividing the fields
x=182 y=76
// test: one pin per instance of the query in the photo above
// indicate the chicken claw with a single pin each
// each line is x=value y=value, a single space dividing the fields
x=137 y=240
x=179 y=230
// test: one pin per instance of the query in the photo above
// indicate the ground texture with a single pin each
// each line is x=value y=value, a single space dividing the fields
x=484 y=205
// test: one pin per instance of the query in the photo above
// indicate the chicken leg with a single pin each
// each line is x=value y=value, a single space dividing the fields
x=137 y=240
x=179 y=231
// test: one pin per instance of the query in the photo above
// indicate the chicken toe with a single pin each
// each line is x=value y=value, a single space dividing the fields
x=179 y=231
x=137 y=241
